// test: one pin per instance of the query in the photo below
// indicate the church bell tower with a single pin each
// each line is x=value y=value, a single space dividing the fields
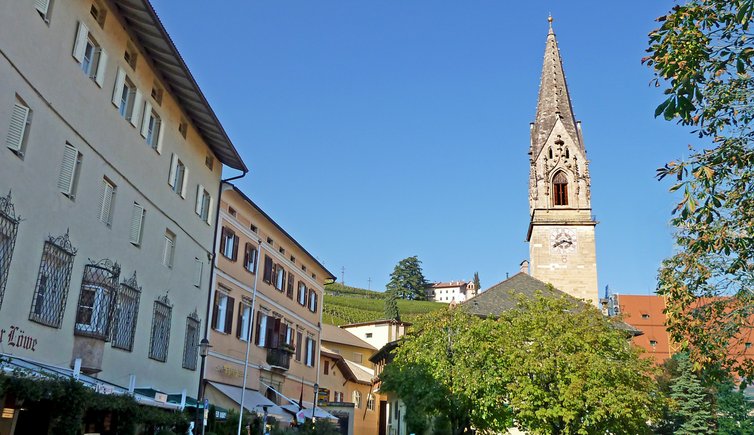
x=561 y=231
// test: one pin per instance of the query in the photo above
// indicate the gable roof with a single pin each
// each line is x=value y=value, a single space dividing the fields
x=145 y=25
x=338 y=335
x=501 y=297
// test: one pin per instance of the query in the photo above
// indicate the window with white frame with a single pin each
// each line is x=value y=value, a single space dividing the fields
x=125 y=314
x=98 y=290
x=279 y=277
x=106 y=201
x=338 y=396
x=261 y=329
x=137 y=224
x=203 y=204
x=151 y=127
x=178 y=176
x=127 y=98
x=222 y=316
x=250 y=258
x=312 y=301
x=44 y=7
x=244 y=321
x=356 y=398
x=370 y=402
x=168 y=250
x=302 y=293
x=69 y=171
x=191 y=342
x=18 y=132
x=53 y=279
x=229 y=244
x=88 y=53
x=159 y=338
x=310 y=351
x=198 y=270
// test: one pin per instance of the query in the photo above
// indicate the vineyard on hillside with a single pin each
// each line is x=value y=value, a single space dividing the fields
x=361 y=307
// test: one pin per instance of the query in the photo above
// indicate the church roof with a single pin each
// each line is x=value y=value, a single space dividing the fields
x=502 y=297
x=554 y=102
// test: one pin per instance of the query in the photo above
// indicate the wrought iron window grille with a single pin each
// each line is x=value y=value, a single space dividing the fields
x=8 y=231
x=160 y=335
x=53 y=279
x=191 y=341
x=126 y=314
x=99 y=287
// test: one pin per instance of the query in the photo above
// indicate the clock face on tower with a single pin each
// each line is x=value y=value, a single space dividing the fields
x=563 y=241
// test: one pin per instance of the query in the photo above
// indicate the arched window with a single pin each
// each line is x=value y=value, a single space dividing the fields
x=567 y=154
x=560 y=189
x=549 y=153
x=357 y=399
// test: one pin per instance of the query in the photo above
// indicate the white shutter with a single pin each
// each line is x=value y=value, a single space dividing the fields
x=120 y=80
x=134 y=116
x=137 y=220
x=158 y=148
x=210 y=211
x=99 y=76
x=79 y=45
x=185 y=181
x=198 y=205
x=173 y=168
x=106 y=202
x=18 y=120
x=198 y=266
x=145 y=118
x=43 y=6
x=68 y=169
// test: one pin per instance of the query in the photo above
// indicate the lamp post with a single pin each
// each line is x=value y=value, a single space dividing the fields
x=314 y=404
x=203 y=351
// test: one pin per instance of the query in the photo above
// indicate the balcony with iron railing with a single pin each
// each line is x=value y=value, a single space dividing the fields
x=279 y=358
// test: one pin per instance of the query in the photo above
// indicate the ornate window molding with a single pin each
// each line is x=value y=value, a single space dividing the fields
x=99 y=287
x=125 y=314
x=53 y=279
x=8 y=231
x=159 y=339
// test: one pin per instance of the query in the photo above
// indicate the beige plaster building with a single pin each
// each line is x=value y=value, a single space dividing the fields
x=280 y=324
x=114 y=159
x=561 y=232
x=358 y=372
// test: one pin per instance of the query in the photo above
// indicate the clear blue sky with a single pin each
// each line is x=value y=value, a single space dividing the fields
x=376 y=130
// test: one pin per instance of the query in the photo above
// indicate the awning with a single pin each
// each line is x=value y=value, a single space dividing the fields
x=318 y=412
x=12 y=363
x=253 y=401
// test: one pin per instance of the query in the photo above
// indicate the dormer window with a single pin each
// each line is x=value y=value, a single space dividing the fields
x=560 y=189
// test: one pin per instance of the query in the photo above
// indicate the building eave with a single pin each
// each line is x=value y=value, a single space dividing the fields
x=145 y=25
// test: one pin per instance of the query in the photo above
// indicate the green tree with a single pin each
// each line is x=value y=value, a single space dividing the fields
x=691 y=401
x=571 y=371
x=702 y=57
x=442 y=371
x=407 y=280
x=733 y=410
x=391 y=306
x=477 y=283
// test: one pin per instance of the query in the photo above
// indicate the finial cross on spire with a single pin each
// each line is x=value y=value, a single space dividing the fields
x=549 y=21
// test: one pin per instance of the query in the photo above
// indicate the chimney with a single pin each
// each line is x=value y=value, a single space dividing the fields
x=524 y=267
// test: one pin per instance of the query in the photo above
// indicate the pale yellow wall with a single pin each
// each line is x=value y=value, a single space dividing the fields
x=349 y=352
x=365 y=421
x=36 y=64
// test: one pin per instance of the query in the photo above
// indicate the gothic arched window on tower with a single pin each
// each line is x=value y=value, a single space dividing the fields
x=560 y=189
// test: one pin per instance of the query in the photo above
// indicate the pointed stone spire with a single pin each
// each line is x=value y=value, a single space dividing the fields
x=554 y=101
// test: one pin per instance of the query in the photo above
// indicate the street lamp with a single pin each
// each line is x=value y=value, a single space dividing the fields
x=203 y=351
x=314 y=404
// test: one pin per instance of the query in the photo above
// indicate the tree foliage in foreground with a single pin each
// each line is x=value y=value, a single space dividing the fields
x=702 y=56
x=407 y=280
x=552 y=365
